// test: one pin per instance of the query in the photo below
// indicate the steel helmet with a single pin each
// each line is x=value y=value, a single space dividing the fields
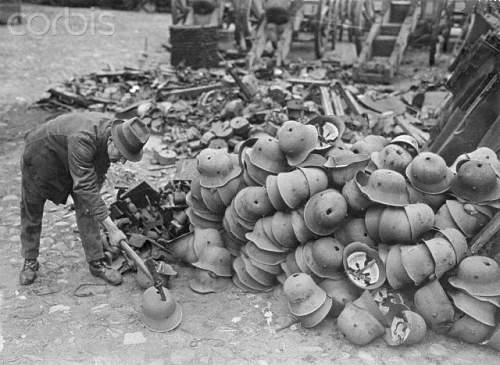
x=443 y=219
x=313 y=160
x=476 y=182
x=252 y=203
x=363 y=266
x=432 y=303
x=248 y=225
x=478 y=275
x=429 y=174
x=457 y=241
x=259 y=237
x=325 y=211
x=354 y=230
x=355 y=199
x=468 y=219
x=198 y=221
x=443 y=254
x=282 y=230
x=198 y=205
x=397 y=277
x=407 y=329
x=417 y=262
x=421 y=218
x=303 y=294
x=316 y=179
x=263 y=257
x=261 y=276
x=369 y=144
x=291 y=263
x=233 y=227
x=248 y=180
x=267 y=155
x=302 y=233
x=433 y=200
x=245 y=281
x=469 y=330
x=358 y=325
x=344 y=165
x=324 y=257
x=297 y=141
x=316 y=317
x=267 y=226
x=217 y=167
x=392 y=157
x=160 y=315
x=384 y=187
x=301 y=260
x=341 y=290
x=254 y=172
x=483 y=312
x=293 y=188
x=229 y=191
x=274 y=194
x=206 y=237
x=271 y=269
x=212 y=200
x=215 y=259
x=372 y=221
x=232 y=243
x=394 y=226
x=483 y=154
x=205 y=282
x=408 y=142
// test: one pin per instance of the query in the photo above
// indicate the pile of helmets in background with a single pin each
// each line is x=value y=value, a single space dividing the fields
x=374 y=234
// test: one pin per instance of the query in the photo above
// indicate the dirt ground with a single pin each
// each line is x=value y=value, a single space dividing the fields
x=50 y=323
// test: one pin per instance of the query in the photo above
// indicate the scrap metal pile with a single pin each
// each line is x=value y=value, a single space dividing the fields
x=373 y=233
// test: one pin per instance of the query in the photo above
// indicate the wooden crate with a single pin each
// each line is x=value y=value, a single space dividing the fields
x=9 y=8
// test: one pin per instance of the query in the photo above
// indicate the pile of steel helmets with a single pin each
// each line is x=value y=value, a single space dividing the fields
x=345 y=228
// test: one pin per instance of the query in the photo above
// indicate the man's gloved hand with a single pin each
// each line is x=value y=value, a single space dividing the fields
x=115 y=235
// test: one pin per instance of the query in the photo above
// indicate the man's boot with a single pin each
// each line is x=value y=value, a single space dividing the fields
x=28 y=273
x=101 y=270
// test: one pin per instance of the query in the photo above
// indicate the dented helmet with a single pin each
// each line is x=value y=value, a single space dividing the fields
x=443 y=219
x=429 y=174
x=205 y=282
x=358 y=325
x=324 y=257
x=481 y=311
x=215 y=259
x=303 y=294
x=369 y=144
x=432 y=303
x=392 y=157
x=469 y=330
x=252 y=203
x=394 y=226
x=467 y=217
x=274 y=193
x=343 y=165
x=341 y=290
x=478 y=275
x=267 y=155
x=293 y=188
x=384 y=186
x=216 y=167
x=297 y=141
x=408 y=328
x=354 y=230
x=160 y=315
x=476 y=182
x=355 y=199
x=325 y=211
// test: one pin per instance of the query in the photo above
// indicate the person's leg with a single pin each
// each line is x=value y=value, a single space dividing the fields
x=32 y=205
x=92 y=243
x=284 y=43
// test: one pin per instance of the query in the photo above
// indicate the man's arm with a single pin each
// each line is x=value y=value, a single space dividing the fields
x=81 y=152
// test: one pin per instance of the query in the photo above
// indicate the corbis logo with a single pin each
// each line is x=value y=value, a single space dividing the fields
x=69 y=21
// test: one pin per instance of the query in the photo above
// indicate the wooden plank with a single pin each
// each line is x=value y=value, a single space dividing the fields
x=326 y=102
x=485 y=235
